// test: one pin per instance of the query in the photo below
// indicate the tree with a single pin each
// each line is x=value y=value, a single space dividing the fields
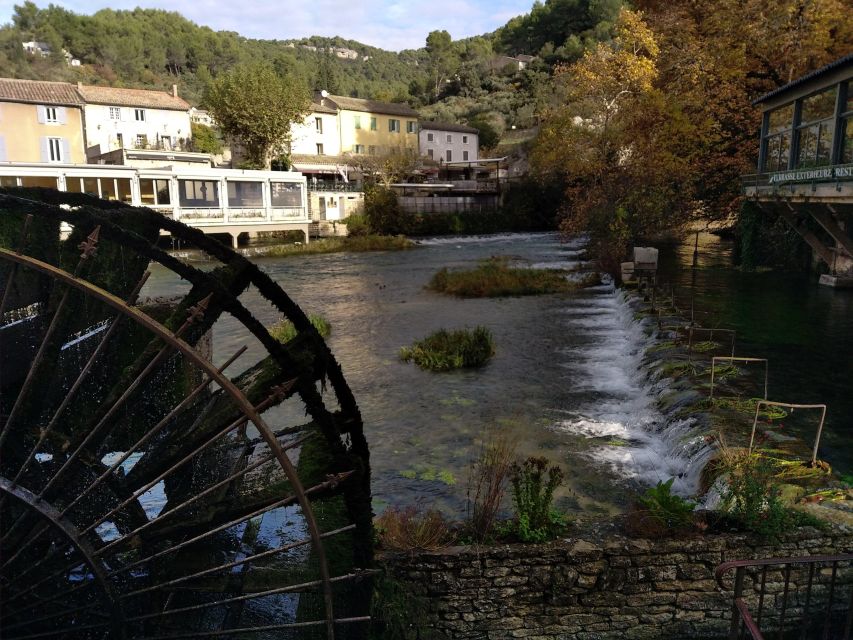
x=390 y=167
x=205 y=140
x=443 y=60
x=255 y=106
x=488 y=134
x=618 y=143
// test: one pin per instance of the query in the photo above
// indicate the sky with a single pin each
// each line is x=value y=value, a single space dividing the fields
x=389 y=24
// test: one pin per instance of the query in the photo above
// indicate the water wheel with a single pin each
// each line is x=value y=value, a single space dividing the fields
x=146 y=492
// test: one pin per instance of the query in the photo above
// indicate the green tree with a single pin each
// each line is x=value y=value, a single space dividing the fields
x=205 y=139
x=256 y=107
x=443 y=60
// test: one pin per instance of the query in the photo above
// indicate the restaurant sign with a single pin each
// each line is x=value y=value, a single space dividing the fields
x=806 y=175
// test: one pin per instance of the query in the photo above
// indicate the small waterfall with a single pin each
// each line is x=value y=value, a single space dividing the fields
x=620 y=406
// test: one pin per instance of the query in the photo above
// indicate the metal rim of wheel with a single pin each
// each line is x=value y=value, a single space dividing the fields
x=83 y=553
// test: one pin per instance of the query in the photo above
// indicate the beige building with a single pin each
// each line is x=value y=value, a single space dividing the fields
x=370 y=127
x=41 y=122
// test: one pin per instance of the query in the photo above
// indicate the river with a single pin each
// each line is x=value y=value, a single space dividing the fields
x=566 y=381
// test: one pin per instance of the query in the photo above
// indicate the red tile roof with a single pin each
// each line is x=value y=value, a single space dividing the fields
x=39 y=92
x=132 y=98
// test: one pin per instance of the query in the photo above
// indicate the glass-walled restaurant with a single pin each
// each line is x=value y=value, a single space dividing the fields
x=214 y=196
x=810 y=131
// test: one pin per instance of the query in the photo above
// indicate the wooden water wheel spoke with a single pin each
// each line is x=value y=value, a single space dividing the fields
x=142 y=493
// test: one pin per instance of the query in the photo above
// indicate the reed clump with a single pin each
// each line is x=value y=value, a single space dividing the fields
x=446 y=350
x=413 y=529
x=487 y=482
x=495 y=278
x=335 y=245
x=284 y=331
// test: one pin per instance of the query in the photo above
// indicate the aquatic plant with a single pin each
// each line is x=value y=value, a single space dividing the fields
x=445 y=350
x=284 y=331
x=487 y=480
x=533 y=486
x=494 y=278
x=747 y=406
x=413 y=528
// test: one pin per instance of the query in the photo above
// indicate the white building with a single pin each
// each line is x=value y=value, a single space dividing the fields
x=133 y=119
x=202 y=117
x=445 y=142
x=318 y=134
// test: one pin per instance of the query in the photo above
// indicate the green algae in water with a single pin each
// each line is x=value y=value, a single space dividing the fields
x=705 y=346
x=747 y=406
x=409 y=474
x=457 y=401
x=430 y=474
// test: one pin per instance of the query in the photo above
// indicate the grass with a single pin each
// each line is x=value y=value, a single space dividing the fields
x=747 y=407
x=413 y=529
x=494 y=278
x=334 y=245
x=446 y=350
x=284 y=331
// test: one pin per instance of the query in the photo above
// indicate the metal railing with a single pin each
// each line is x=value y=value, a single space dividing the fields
x=808 y=597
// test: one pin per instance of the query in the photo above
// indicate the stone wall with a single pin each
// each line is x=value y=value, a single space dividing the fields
x=574 y=589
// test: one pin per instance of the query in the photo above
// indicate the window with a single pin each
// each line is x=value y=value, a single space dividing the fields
x=373 y=124
x=359 y=149
x=319 y=149
x=411 y=126
x=154 y=192
x=371 y=150
x=357 y=121
x=139 y=114
x=394 y=126
x=319 y=124
x=816 y=128
x=245 y=194
x=430 y=137
x=464 y=139
x=430 y=154
x=449 y=138
x=141 y=141
x=198 y=193
x=115 y=113
x=846 y=124
x=778 y=141
x=449 y=155
x=464 y=155
x=120 y=140
x=285 y=194
x=50 y=115
x=54 y=146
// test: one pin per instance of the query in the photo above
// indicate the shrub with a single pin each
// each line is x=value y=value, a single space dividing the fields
x=487 y=485
x=533 y=496
x=413 y=529
x=665 y=507
x=383 y=213
x=752 y=497
x=334 y=245
x=356 y=225
x=495 y=278
x=445 y=350
x=284 y=331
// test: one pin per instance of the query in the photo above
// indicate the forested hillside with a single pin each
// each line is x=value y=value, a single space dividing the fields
x=447 y=79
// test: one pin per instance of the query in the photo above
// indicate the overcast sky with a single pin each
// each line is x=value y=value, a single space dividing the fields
x=389 y=24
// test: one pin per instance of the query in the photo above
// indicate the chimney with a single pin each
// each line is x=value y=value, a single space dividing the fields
x=79 y=86
x=174 y=91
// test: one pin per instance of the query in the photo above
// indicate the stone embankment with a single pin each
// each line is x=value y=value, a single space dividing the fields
x=577 y=589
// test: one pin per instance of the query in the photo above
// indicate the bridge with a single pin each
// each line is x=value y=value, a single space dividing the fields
x=806 y=164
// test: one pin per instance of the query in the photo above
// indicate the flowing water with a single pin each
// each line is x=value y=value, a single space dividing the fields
x=566 y=381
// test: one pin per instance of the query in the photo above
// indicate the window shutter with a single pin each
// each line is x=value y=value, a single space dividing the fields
x=2 y=149
x=44 y=148
x=42 y=116
x=61 y=115
x=66 y=150
x=123 y=113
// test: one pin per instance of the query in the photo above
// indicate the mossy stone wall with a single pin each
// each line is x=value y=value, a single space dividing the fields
x=578 y=589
